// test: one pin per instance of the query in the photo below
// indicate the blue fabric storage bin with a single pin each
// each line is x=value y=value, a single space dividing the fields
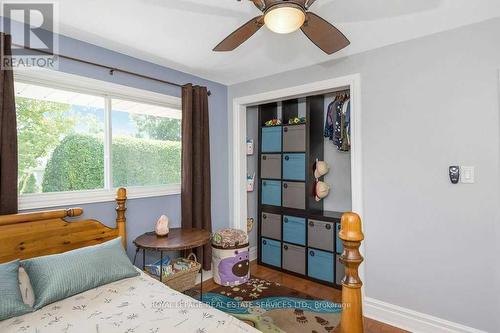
x=271 y=252
x=271 y=139
x=320 y=265
x=271 y=192
x=294 y=230
x=339 y=246
x=294 y=166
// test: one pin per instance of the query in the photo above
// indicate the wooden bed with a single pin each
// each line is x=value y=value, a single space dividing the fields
x=29 y=235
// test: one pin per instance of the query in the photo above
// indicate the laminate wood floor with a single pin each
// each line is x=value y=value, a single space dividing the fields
x=308 y=287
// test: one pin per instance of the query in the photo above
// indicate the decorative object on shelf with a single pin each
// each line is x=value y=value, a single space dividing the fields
x=296 y=120
x=161 y=227
x=189 y=268
x=272 y=122
x=249 y=146
x=321 y=168
x=183 y=264
x=230 y=257
x=154 y=268
x=250 y=223
x=250 y=182
x=184 y=273
x=321 y=190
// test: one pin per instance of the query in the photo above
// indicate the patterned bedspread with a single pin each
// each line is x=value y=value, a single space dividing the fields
x=134 y=305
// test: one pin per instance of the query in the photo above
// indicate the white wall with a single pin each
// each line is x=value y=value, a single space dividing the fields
x=427 y=104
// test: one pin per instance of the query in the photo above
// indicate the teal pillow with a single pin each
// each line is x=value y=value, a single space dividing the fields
x=11 y=301
x=58 y=276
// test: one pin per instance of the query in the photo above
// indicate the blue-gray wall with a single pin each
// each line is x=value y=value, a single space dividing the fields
x=143 y=213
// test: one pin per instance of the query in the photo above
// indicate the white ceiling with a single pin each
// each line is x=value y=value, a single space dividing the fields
x=181 y=33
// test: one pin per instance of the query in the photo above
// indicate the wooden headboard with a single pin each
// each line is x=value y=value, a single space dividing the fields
x=29 y=235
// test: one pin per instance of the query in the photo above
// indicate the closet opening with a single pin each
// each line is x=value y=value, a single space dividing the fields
x=299 y=183
x=288 y=198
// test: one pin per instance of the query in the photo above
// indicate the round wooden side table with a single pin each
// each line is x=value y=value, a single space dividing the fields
x=178 y=239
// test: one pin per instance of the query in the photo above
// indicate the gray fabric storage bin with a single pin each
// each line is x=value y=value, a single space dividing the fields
x=271 y=225
x=294 y=258
x=294 y=195
x=339 y=270
x=320 y=235
x=270 y=166
x=294 y=138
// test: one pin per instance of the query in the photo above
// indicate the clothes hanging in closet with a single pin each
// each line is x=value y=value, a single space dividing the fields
x=330 y=119
x=338 y=121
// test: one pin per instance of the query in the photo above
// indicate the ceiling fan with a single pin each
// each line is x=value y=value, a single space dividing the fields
x=286 y=16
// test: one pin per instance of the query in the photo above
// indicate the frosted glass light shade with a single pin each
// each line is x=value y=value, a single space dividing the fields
x=284 y=19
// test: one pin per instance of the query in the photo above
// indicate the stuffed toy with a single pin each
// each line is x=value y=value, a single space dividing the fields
x=296 y=120
x=272 y=122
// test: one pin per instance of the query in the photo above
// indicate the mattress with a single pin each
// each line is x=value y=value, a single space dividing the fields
x=134 y=305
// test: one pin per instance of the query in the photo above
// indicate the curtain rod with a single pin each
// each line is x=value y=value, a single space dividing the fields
x=112 y=70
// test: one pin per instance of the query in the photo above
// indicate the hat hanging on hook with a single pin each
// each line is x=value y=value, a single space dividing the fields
x=321 y=168
x=321 y=190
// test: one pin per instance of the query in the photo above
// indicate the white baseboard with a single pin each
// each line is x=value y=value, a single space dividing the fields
x=253 y=253
x=410 y=320
x=403 y=318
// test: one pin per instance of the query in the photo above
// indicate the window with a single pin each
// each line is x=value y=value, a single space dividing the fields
x=60 y=140
x=146 y=146
x=74 y=140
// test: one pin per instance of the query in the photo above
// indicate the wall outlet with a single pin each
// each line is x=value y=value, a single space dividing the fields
x=467 y=174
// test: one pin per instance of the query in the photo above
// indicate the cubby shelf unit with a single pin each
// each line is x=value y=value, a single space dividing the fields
x=295 y=233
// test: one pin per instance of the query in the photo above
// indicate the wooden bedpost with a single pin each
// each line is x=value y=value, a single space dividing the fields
x=352 y=313
x=121 y=197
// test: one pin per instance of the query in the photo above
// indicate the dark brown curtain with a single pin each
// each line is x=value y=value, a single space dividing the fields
x=195 y=196
x=8 y=135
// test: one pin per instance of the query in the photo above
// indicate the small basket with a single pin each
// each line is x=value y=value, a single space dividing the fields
x=186 y=279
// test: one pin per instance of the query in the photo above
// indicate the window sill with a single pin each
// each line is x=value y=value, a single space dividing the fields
x=64 y=199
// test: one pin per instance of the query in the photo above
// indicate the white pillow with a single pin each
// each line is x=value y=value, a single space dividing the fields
x=25 y=286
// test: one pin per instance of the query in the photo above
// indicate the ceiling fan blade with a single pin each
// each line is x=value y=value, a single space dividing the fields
x=239 y=36
x=261 y=4
x=308 y=3
x=323 y=34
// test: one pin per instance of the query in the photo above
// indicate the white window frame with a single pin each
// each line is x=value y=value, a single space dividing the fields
x=108 y=91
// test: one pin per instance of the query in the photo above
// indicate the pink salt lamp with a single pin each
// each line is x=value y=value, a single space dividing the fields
x=161 y=228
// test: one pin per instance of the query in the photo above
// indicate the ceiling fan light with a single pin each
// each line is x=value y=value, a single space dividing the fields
x=284 y=19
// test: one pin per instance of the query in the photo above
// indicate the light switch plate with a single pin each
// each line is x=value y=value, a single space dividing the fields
x=467 y=175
